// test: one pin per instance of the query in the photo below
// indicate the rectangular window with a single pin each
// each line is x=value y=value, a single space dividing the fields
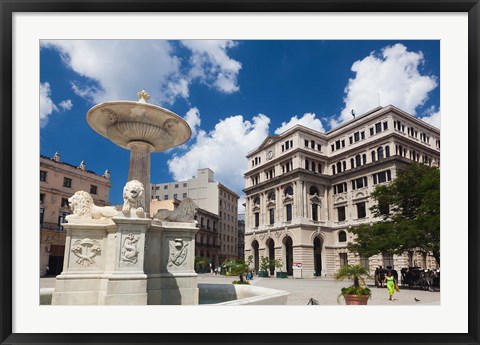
x=272 y=215
x=43 y=175
x=312 y=144
x=385 y=126
x=42 y=198
x=356 y=135
x=165 y=187
x=175 y=196
x=64 y=202
x=341 y=213
x=333 y=147
x=337 y=144
x=93 y=189
x=361 y=211
x=288 y=209
x=42 y=211
x=371 y=131
x=364 y=262
x=176 y=185
x=67 y=182
x=343 y=143
x=343 y=259
x=257 y=219
x=184 y=195
x=378 y=127
x=165 y=197
x=350 y=140
x=306 y=143
x=315 y=212
x=362 y=135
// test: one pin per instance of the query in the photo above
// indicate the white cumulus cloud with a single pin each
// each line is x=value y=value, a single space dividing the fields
x=391 y=77
x=308 y=120
x=193 y=119
x=121 y=68
x=223 y=150
x=118 y=69
x=432 y=117
x=47 y=106
x=66 y=104
x=212 y=65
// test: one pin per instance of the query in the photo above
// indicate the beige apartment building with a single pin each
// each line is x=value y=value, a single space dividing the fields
x=58 y=182
x=306 y=189
x=210 y=196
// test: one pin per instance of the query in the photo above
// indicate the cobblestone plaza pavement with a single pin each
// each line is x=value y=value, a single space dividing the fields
x=323 y=290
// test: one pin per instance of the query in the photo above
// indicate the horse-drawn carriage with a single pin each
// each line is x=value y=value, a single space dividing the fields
x=426 y=279
x=381 y=273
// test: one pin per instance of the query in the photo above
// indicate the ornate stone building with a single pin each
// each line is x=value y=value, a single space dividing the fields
x=58 y=182
x=306 y=189
x=207 y=239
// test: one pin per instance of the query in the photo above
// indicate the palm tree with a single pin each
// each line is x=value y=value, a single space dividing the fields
x=357 y=273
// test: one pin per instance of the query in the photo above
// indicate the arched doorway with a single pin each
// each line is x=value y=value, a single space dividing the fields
x=317 y=256
x=256 y=259
x=288 y=254
x=271 y=253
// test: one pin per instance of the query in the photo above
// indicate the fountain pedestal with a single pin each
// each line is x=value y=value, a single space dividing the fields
x=169 y=263
x=103 y=263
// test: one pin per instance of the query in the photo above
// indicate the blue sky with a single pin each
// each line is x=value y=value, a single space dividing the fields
x=232 y=93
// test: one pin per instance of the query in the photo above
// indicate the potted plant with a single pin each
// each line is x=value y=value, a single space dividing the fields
x=279 y=267
x=238 y=268
x=358 y=293
x=264 y=266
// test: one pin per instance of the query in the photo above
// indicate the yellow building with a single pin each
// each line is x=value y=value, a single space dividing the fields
x=58 y=182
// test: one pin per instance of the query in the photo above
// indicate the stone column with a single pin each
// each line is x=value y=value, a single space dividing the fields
x=140 y=167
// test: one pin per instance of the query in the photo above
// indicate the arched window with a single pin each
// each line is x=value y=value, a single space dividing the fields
x=342 y=236
x=358 y=160
x=201 y=222
x=380 y=153
x=289 y=191
x=313 y=190
x=307 y=165
x=387 y=151
x=339 y=167
x=333 y=169
x=314 y=168
x=352 y=163
x=373 y=156
x=364 y=158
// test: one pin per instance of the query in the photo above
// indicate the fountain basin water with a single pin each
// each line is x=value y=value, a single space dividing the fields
x=219 y=294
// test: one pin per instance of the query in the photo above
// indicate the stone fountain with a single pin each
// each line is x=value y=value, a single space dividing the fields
x=142 y=128
x=125 y=257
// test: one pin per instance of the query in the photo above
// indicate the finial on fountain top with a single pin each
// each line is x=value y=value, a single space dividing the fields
x=143 y=96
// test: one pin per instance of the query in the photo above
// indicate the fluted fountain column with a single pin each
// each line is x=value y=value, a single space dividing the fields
x=140 y=166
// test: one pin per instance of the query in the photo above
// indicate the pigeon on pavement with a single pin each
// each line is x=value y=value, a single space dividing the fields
x=416 y=299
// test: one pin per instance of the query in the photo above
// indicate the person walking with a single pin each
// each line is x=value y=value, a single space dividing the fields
x=390 y=281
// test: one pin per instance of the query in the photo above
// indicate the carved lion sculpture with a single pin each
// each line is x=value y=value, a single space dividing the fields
x=185 y=212
x=134 y=199
x=83 y=207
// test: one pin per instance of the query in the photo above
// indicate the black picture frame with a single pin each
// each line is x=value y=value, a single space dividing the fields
x=9 y=7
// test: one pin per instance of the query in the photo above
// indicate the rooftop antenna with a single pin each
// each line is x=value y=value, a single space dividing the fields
x=353 y=113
